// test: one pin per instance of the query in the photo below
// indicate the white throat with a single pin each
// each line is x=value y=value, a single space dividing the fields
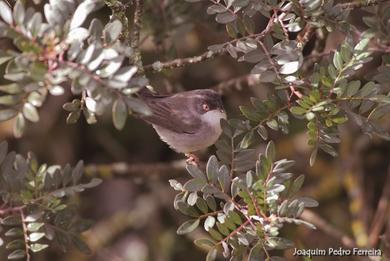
x=213 y=119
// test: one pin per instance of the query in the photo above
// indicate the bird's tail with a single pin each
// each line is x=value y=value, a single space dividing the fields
x=147 y=93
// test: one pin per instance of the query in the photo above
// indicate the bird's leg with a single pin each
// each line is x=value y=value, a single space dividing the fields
x=192 y=159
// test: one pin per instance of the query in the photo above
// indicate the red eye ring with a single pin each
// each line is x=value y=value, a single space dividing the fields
x=205 y=107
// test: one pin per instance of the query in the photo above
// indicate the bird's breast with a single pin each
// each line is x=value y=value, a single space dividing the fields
x=206 y=135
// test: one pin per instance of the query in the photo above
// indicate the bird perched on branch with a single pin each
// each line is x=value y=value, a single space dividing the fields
x=187 y=121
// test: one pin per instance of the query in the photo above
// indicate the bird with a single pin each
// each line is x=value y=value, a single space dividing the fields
x=187 y=121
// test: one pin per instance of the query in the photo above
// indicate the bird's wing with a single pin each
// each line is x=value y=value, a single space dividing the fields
x=173 y=116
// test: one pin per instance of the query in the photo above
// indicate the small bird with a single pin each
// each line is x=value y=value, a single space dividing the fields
x=187 y=121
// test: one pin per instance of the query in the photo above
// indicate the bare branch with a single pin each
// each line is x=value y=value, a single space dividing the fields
x=25 y=234
x=122 y=169
x=381 y=214
x=359 y=4
x=180 y=62
x=327 y=228
x=237 y=83
x=135 y=38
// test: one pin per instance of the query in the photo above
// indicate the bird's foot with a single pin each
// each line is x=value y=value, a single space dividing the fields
x=192 y=159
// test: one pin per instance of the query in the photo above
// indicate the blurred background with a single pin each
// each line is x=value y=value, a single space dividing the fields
x=132 y=210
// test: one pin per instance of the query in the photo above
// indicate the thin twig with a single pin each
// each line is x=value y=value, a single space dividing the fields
x=381 y=214
x=327 y=228
x=180 y=62
x=358 y=4
x=237 y=83
x=135 y=38
x=25 y=233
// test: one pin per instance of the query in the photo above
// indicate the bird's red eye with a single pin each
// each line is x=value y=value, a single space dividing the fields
x=205 y=107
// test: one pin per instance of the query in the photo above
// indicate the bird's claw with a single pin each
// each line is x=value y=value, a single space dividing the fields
x=192 y=159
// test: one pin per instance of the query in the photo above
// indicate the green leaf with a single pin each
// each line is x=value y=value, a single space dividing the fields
x=211 y=203
x=119 y=113
x=256 y=253
x=270 y=151
x=19 y=13
x=204 y=243
x=367 y=89
x=231 y=30
x=15 y=244
x=33 y=227
x=215 y=234
x=19 y=253
x=352 y=88
x=192 y=198
x=38 y=247
x=308 y=202
x=235 y=217
x=212 y=168
x=15 y=231
x=9 y=99
x=7 y=114
x=212 y=254
x=290 y=68
x=313 y=157
x=297 y=184
x=82 y=11
x=30 y=112
x=19 y=126
x=11 y=220
x=262 y=131
x=5 y=13
x=209 y=223
x=338 y=61
x=328 y=149
x=361 y=46
x=247 y=140
x=297 y=110
x=188 y=226
x=11 y=88
x=194 y=184
x=224 y=18
x=250 y=114
x=195 y=172
x=73 y=117
x=202 y=205
x=33 y=237
x=112 y=31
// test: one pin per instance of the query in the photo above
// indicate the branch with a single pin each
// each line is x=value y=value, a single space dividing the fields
x=25 y=234
x=180 y=62
x=119 y=12
x=134 y=43
x=237 y=83
x=381 y=214
x=327 y=228
x=122 y=169
x=358 y=4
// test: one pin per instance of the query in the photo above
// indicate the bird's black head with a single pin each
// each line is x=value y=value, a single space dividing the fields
x=207 y=100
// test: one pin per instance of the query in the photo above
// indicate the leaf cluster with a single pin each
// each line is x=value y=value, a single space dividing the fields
x=35 y=211
x=241 y=206
x=53 y=51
